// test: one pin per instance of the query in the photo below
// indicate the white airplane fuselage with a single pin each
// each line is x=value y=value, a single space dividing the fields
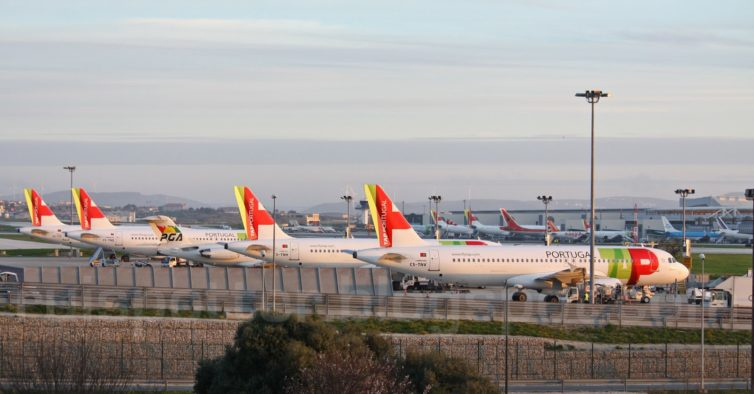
x=142 y=240
x=320 y=252
x=484 y=266
x=54 y=234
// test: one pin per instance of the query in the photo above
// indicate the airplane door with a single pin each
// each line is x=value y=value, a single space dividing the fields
x=294 y=251
x=118 y=238
x=434 y=260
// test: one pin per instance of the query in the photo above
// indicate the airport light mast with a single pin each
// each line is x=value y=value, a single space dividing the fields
x=704 y=292
x=592 y=97
x=347 y=199
x=684 y=193
x=274 y=228
x=436 y=199
x=546 y=200
x=71 y=169
x=750 y=196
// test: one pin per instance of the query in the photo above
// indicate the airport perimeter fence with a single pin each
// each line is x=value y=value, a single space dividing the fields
x=241 y=304
x=529 y=359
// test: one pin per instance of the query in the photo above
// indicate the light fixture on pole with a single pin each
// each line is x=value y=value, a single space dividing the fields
x=750 y=196
x=684 y=193
x=71 y=169
x=274 y=225
x=592 y=97
x=546 y=200
x=704 y=293
x=436 y=199
x=347 y=199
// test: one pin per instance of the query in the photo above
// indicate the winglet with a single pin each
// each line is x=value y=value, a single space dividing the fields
x=257 y=222
x=39 y=213
x=392 y=227
x=90 y=216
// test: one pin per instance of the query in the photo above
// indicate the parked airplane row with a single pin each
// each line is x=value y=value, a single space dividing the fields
x=397 y=247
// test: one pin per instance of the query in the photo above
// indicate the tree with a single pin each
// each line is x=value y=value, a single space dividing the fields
x=270 y=350
x=351 y=371
x=438 y=374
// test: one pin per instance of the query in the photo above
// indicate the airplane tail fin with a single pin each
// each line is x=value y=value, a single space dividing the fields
x=587 y=226
x=39 y=213
x=470 y=218
x=552 y=227
x=257 y=222
x=667 y=226
x=90 y=216
x=509 y=221
x=392 y=227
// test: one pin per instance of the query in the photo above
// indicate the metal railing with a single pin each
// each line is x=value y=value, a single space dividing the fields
x=482 y=308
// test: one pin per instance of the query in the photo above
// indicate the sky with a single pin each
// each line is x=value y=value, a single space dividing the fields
x=308 y=99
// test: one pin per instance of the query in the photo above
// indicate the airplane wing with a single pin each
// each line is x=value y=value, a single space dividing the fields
x=568 y=276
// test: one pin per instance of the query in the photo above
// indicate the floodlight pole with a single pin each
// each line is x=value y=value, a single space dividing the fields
x=750 y=196
x=546 y=200
x=704 y=293
x=347 y=199
x=684 y=193
x=436 y=200
x=506 y=335
x=274 y=225
x=592 y=97
x=71 y=169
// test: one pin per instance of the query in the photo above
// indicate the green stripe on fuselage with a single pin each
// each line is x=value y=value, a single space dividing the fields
x=619 y=262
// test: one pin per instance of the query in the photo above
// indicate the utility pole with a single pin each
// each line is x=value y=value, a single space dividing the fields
x=592 y=97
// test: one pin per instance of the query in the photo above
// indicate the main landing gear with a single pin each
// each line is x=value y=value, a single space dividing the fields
x=552 y=298
x=519 y=296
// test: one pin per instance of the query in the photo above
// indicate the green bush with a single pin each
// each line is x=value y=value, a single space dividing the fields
x=440 y=374
x=274 y=353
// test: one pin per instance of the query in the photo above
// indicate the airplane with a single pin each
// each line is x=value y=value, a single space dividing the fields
x=144 y=240
x=300 y=252
x=193 y=245
x=45 y=225
x=672 y=232
x=569 y=235
x=480 y=228
x=448 y=227
x=544 y=268
x=608 y=235
x=735 y=235
x=524 y=229
x=295 y=227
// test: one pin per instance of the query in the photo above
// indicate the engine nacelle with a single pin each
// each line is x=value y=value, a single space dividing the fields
x=218 y=254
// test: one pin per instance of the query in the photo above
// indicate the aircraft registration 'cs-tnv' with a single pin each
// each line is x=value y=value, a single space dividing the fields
x=545 y=268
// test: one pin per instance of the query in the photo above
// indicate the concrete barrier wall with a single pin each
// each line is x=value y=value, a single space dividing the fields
x=362 y=281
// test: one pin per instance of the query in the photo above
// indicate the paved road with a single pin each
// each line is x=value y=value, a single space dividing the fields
x=708 y=250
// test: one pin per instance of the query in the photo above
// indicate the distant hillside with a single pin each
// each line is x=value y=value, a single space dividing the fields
x=119 y=199
x=491 y=204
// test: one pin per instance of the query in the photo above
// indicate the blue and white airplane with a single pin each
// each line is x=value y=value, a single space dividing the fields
x=672 y=232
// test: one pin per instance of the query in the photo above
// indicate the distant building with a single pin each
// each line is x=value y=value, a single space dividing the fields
x=730 y=200
x=173 y=206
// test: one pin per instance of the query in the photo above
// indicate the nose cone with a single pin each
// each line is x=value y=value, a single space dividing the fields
x=681 y=271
